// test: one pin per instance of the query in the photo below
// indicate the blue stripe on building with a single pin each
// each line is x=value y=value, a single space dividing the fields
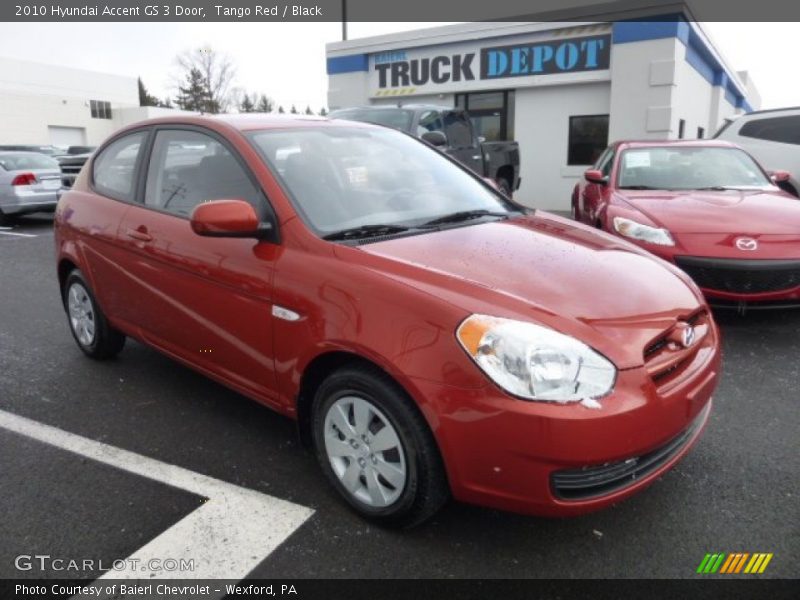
x=347 y=64
x=698 y=53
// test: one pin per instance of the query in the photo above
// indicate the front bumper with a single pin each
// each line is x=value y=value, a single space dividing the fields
x=505 y=453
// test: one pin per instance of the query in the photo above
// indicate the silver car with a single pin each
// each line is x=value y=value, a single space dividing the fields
x=28 y=183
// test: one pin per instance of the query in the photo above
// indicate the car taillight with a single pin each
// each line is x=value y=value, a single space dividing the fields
x=24 y=179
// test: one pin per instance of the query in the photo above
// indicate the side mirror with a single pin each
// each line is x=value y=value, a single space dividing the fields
x=434 y=138
x=595 y=176
x=228 y=218
x=779 y=176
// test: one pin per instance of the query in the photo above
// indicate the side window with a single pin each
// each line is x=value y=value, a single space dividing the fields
x=113 y=169
x=774 y=129
x=429 y=121
x=188 y=168
x=458 y=130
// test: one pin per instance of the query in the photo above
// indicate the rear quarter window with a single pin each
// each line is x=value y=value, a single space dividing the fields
x=774 y=129
x=114 y=168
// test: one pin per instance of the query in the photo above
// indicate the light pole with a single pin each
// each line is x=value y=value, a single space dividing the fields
x=344 y=20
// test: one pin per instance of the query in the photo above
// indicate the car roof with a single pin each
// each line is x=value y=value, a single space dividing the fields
x=248 y=121
x=678 y=143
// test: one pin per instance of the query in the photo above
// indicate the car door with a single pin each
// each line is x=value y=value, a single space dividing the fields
x=462 y=144
x=204 y=300
x=95 y=215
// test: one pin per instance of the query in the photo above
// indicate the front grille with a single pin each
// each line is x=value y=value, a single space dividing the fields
x=70 y=167
x=742 y=276
x=594 y=481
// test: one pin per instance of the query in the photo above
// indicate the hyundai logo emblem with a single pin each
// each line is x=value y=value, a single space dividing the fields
x=746 y=244
x=682 y=334
x=687 y=338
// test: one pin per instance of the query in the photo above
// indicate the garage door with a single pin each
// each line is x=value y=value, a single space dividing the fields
x=67 y=136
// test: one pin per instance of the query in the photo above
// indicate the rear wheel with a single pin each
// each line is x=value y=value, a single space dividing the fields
x=376 y=449
x=5 y=219
x=89 y=326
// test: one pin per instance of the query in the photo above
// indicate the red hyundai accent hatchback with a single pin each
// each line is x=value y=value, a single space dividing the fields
x=706 y=206
x=431 y=337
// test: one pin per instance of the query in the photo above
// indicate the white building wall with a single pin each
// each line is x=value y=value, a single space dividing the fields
x=542 y=129
x=37 y=96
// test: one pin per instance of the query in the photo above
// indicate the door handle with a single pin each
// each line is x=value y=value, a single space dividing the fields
x=139 y=234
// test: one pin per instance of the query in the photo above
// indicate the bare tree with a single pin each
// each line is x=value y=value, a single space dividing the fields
x=217 y=73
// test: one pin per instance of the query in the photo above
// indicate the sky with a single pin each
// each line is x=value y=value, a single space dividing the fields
x=286 y=61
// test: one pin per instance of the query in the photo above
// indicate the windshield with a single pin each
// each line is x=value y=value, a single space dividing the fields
x=346 y=177
x=26 y=160
x=391 y=117
x=689 y=168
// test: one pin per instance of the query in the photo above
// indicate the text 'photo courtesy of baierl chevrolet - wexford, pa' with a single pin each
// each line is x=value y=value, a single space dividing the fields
x=385 y=300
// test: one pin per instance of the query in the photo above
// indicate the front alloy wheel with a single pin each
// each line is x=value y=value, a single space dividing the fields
x=81 y=313
x=376 y=448
x=365 y=452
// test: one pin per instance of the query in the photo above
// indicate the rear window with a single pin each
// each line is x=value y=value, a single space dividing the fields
x=774 y=129
x=26 y=160
x=397 y=118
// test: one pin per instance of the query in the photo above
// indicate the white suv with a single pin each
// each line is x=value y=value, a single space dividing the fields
x=773 y=138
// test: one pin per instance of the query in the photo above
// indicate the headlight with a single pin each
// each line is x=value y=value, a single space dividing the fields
x=535 y=362
x=644 y=233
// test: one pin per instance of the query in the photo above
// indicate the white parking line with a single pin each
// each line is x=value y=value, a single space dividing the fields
x=17 y=234
x=233 y=531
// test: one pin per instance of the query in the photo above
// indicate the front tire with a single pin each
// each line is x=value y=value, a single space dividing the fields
x=89 y=326
x=376 y=448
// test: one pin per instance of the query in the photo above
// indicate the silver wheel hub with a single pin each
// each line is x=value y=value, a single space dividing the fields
x=365 y=451
x=81 y=314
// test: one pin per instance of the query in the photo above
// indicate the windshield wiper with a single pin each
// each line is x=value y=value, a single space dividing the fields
x=464 y=215
x=364 y=231
x=715 y=188
x=636 y=187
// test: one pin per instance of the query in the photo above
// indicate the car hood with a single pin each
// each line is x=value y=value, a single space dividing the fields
x=572 y=278
x=730 y=211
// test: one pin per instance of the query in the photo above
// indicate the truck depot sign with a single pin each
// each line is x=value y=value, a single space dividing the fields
x=396 y=70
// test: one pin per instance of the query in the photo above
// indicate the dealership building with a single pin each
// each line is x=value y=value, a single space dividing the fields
x=563 y=90
x=47 y=104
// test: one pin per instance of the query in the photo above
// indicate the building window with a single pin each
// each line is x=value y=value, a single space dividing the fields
x=491 y=113
x=588 y=138
x=681 y=129
x=100 y=109
x=701 y=133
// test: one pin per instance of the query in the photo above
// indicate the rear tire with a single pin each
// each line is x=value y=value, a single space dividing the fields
x=5 y=219
x=89 y=326
x=376 y=449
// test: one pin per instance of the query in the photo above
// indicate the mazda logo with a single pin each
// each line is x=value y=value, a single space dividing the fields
x=746 y=244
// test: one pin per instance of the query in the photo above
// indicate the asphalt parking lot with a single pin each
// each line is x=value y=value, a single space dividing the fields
x=736 y=492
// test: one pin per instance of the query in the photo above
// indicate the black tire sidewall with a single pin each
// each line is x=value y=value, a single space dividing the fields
x=104 y=344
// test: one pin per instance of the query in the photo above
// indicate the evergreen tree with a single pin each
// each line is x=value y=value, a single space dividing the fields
x=265 y=105
x=309 y=111
x=193 y=95
x=293 y=110
x=145 y=99
x=323 y=112
x=246 y=105
x=280 y=110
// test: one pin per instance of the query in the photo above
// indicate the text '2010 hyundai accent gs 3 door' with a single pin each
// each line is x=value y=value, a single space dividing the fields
x=431 y=337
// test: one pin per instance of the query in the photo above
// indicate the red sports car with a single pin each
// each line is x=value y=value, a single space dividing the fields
x=706 y=206
x=430 y=336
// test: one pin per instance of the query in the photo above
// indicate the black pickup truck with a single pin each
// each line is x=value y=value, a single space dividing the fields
x=449 y=129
